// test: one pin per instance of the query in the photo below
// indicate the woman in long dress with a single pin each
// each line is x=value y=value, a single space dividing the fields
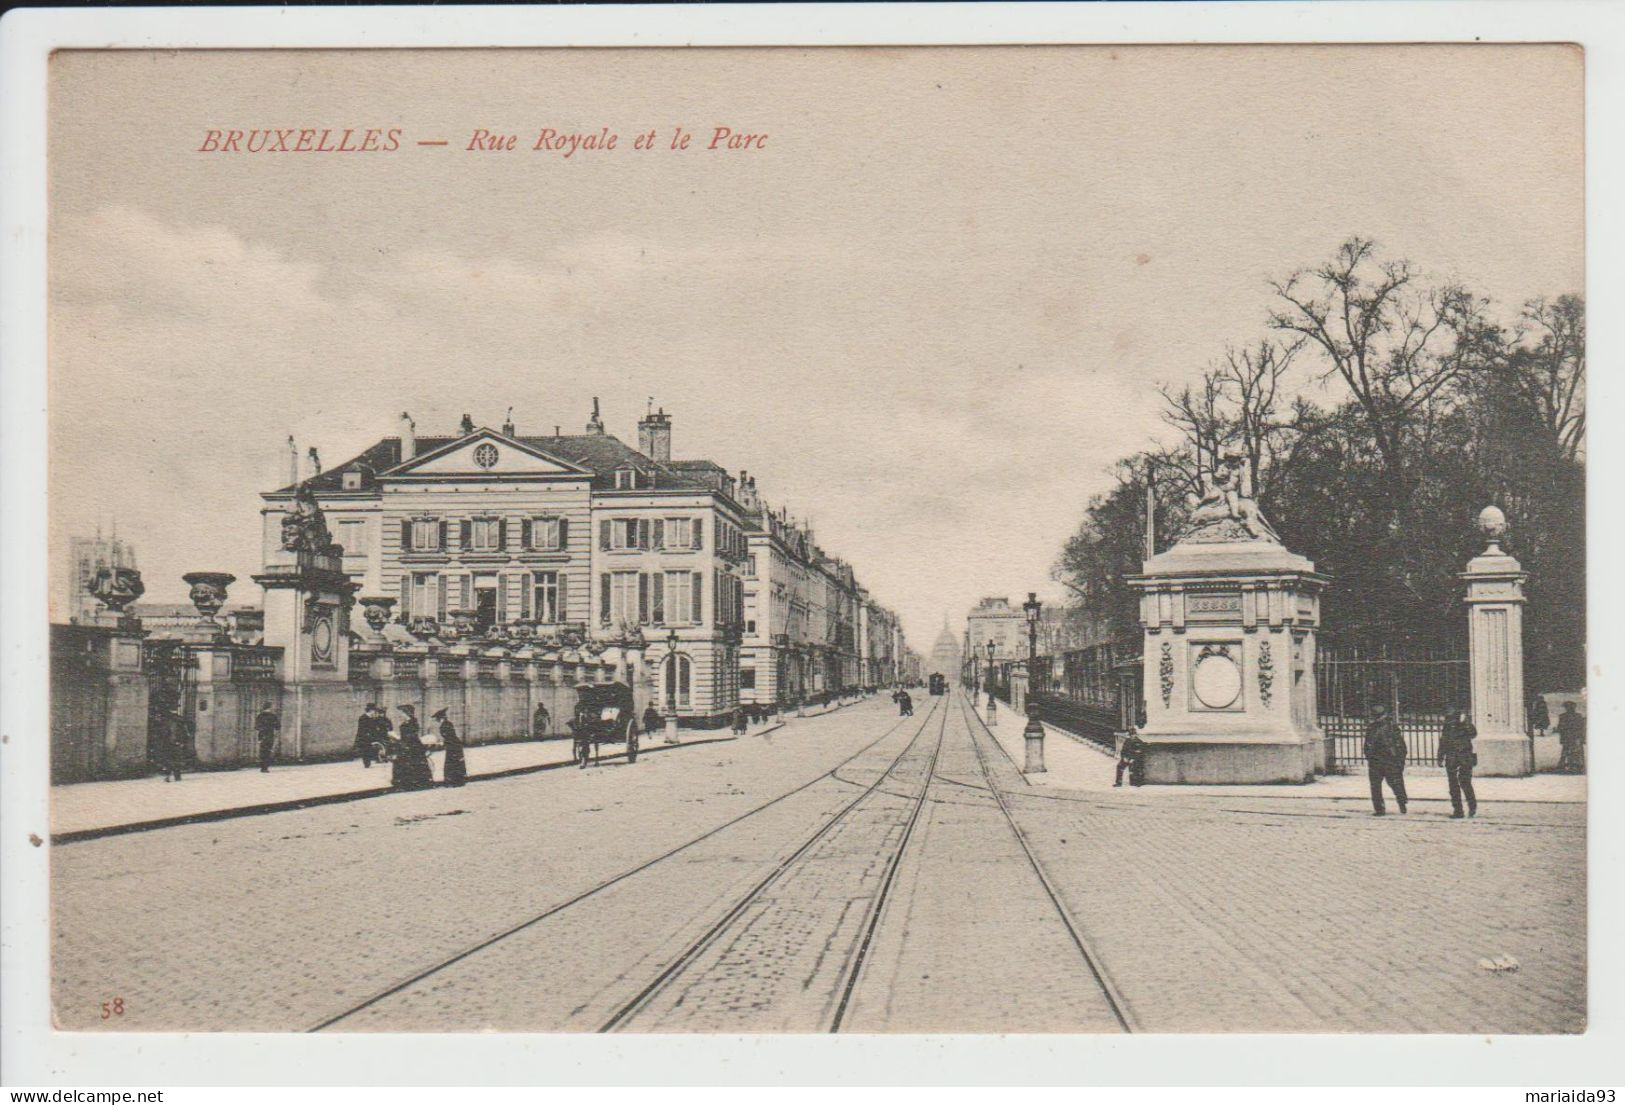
x=410 y=771
x=455 y=773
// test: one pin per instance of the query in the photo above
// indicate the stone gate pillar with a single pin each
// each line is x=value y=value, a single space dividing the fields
x=1494 y=585
x=1229 y=617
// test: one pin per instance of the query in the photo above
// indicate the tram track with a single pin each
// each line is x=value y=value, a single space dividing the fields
x=440 y=966
x=851 y=970
x=1113 y=996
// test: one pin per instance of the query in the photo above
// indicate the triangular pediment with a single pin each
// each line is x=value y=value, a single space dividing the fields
x=485 y=454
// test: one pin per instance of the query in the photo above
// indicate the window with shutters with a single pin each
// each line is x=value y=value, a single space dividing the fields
x=678 y=533
x=623 y=597
x=428 y=595
x=424 y=535
x=697 y=598
x=675 y=589
x=546 y=603
x=485 y=534
x=546 y=534
x=627 y=533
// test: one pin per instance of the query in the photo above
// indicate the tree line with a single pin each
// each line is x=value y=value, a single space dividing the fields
x=1437 y=404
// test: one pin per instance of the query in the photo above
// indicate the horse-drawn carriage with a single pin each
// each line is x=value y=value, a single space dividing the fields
x=605 y=714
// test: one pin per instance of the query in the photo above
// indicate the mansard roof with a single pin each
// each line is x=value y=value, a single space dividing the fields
x=599 y=454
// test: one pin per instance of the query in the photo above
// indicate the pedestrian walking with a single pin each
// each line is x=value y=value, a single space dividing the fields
x=540 y=723
x=1540 y=719
x=162 y=746
x=1571 y=734
x=267 y=727
x=180 y=743
x=367 y=736
x=1131 y=757
x=455 y=773
x=651 y=720
x=1385 y=754
x=741 y=722
x=1458 y=759
x=905 y=704
x=410 y=771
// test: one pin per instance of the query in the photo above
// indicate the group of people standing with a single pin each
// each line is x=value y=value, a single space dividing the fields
x=376 y=739
x=905 y=702
x=1386 y=753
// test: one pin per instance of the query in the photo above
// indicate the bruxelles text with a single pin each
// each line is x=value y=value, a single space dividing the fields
x=565 y=143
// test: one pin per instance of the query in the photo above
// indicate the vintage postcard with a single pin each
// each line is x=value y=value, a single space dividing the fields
x=909 y=539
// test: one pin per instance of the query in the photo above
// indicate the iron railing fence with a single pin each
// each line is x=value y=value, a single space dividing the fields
x=1421 y=685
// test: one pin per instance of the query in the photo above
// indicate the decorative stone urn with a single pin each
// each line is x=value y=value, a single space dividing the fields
x=423 y=628
x=1230 y=616
x=116 y=588
x=209 y=591
x=375 y=609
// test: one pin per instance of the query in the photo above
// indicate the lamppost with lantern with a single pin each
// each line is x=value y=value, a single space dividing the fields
x=1034 y=732
x=989 y=682
x=671 y=687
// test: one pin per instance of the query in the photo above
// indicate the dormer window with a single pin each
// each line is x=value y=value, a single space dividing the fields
x=352 y=480
x=631 y=479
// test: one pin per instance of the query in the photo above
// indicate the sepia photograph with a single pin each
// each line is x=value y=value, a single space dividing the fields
x=1021 y=539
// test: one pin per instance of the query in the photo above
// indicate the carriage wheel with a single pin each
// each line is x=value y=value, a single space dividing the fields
x=632 y=742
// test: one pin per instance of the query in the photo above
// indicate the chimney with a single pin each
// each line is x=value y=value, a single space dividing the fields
x=507 y=423
x=595 y=424
x=654 y=436
x=409 y=441
x=467 y=425
x=293 y=462
x=315 y=459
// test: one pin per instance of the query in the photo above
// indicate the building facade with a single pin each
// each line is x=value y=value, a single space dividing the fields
x=576 y=537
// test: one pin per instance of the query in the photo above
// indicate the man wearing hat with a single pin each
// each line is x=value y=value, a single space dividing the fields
x=455 y=773
x=1385 y=754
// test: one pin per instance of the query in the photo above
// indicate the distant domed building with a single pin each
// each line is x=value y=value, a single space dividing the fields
x=945 y=655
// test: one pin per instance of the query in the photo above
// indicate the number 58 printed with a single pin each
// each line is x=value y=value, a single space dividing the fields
x=114 y=1008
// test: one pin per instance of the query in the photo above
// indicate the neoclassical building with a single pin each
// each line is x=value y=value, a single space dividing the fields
x=575 y=535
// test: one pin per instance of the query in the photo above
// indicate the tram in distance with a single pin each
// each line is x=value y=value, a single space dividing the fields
x=939 y=683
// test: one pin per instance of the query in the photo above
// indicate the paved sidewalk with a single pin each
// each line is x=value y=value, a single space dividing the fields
x=124 y=805
x=1075 y=764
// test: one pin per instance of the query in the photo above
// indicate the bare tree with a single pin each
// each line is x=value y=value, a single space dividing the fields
x=1395 y=344
x=1551 y=371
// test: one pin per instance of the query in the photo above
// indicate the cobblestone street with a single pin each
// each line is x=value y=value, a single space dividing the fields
x=853 y=871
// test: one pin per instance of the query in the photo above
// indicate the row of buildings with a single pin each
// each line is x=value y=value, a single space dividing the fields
x=584 y=536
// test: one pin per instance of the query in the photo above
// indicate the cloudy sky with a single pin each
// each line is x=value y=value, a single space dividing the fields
x=928 y=314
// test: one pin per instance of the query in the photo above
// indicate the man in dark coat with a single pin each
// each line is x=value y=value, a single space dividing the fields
x=267 y=726
x=1571 y=733
x=652 y=720
x=905 y=704
x=1540 y=719
x=741 y=724
x=1385 y=754
x=455 y=773
x=180 y=743
x=162 y=737
x=1457 y=756
x=1132 y=757
x=367 y=736
x=539 y=722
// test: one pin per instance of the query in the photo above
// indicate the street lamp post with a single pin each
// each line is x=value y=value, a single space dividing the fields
x=988 y=683
x=1034 y=733
x=671 y=687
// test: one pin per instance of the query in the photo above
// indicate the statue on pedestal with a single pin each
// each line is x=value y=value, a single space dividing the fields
x=1226 y=509
x=304 y=529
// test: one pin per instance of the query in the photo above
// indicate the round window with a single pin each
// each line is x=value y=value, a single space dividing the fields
x=1217 y=681
x=486 y=455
